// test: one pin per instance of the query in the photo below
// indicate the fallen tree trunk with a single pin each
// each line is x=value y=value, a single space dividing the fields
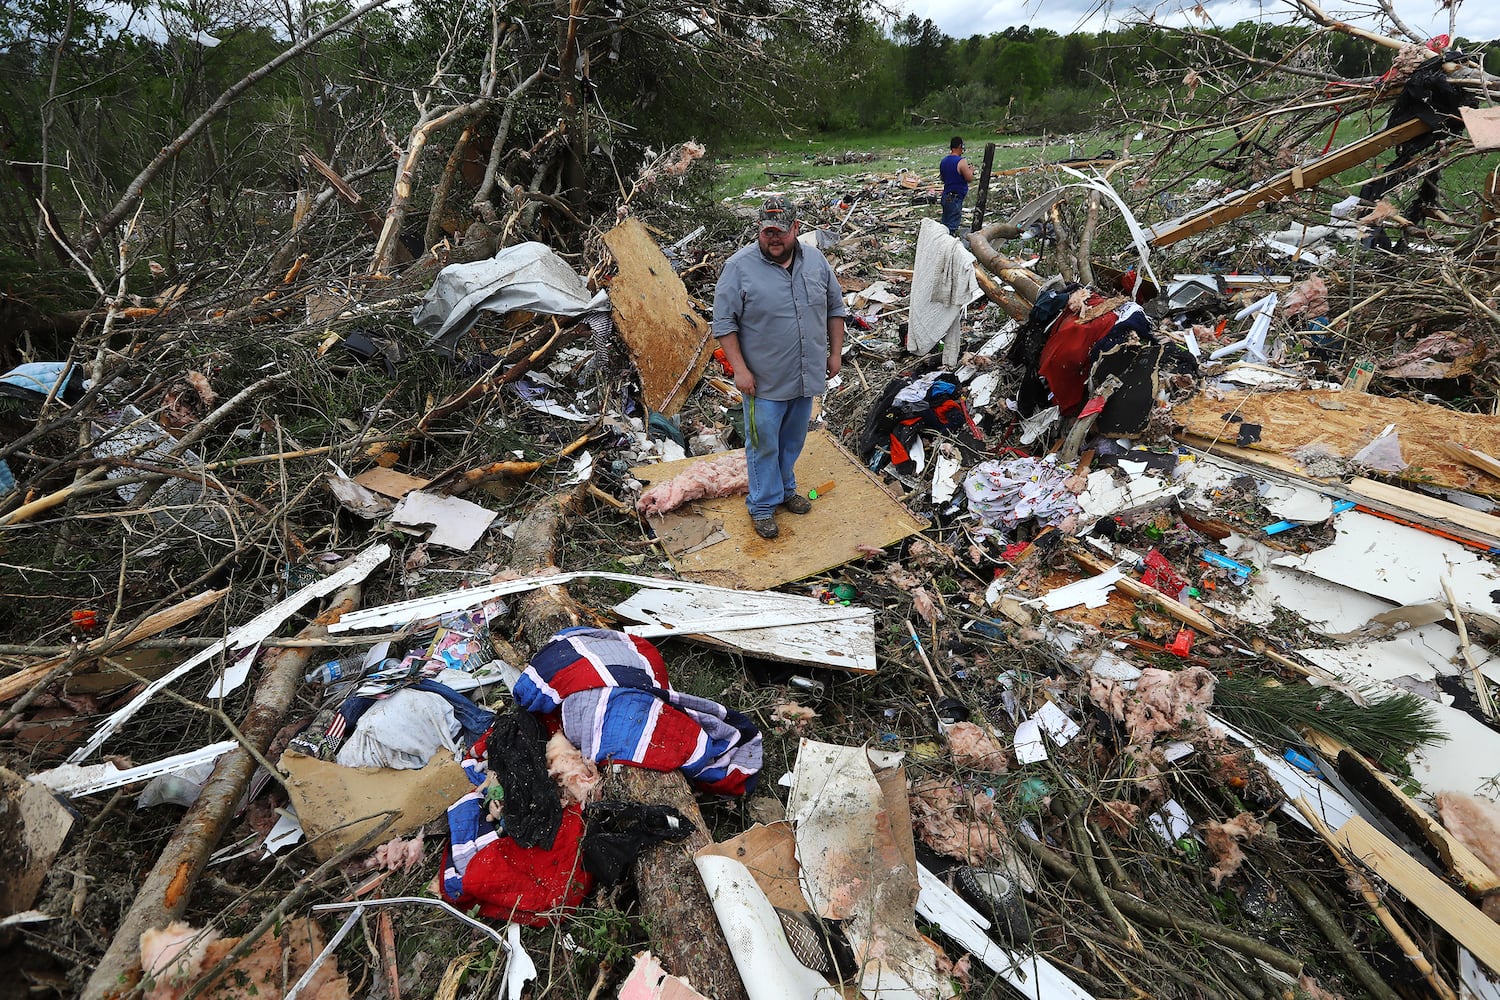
x=1028 y=285
x=163 y=896
x=685 y=932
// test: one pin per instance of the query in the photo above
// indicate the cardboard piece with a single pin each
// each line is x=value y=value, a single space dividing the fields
x=857 y=511
x=859 y=864
x=1483 y=126
x=338 y=804
x=456 y=523
x=770 y=852
x=389 y=482
x=668 y=341
x=33 y=826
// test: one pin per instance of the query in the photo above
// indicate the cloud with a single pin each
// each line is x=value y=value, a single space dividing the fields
x=962 y=18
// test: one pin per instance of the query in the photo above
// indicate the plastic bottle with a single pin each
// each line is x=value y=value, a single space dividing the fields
x=336 y=670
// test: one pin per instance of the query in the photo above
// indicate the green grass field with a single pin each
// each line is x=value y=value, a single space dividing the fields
x=749 y=165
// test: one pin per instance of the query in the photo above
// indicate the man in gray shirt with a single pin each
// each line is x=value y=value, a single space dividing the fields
x=779 y=316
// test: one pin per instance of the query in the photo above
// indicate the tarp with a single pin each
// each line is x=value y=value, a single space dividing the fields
x=526 y=276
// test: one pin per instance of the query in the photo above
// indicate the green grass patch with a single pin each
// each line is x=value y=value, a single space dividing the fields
x=750 y=166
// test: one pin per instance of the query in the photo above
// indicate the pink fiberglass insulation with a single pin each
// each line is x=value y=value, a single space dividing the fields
x=1162 y=701
x=721 y=476
x=398 y=855
x=1224 y=840
x=575 y=774
x=973 y=747
x=1476 y=824
x=956 y=822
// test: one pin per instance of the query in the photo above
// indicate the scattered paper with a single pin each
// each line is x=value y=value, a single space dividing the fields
x=1029 y=746
x=456 y=523
x=234 y=675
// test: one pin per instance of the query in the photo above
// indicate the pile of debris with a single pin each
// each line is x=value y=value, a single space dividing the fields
x=1131 y=644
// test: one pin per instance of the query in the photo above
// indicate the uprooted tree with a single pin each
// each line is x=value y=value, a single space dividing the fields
x=185 y=135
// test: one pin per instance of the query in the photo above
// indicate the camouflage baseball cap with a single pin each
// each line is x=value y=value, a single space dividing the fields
x=777 y=213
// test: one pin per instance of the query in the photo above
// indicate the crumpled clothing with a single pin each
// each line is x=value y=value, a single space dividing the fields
x=1006 y=493
x=403 y=731
x=616 y=832
x=1065 y=358
x=617 y=705
x=942 y=283
x=483 y=868
x=329 y=731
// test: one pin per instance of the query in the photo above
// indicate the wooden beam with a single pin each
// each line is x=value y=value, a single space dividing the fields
x=1284 y=184
x=1424 y=890
x=1469 y=456
x=1460 y=862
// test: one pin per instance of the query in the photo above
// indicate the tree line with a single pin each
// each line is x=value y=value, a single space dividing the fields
x=189 y=122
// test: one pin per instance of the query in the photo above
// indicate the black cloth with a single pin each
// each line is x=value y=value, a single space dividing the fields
x=517 y=752
x=616 y=832
x=1432 y=96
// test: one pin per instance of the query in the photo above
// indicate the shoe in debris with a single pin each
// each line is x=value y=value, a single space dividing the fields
x=797 y=503
x=765 y=527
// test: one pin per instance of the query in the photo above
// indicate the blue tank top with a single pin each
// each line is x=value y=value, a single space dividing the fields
x=952 y=180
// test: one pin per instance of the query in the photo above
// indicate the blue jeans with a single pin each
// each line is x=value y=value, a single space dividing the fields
x=953 y=212
x=780 y=428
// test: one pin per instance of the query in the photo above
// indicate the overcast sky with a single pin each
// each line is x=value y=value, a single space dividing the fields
x=1477 y=19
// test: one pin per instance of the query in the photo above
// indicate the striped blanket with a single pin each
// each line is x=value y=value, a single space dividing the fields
x=617 y=705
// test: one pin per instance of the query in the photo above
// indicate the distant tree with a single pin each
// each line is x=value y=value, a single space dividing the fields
x=1074 y=61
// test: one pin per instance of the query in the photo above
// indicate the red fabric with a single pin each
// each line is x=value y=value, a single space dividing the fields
x=527 y=884
x=1065 y=359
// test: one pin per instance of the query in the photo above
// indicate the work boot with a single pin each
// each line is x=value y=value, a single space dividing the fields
x=765 y=527
x=797 y=503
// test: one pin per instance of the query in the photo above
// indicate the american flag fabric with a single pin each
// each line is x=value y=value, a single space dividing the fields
x=617 y=705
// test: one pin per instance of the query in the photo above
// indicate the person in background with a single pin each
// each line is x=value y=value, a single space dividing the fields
x=956 y=172
x=779 y=318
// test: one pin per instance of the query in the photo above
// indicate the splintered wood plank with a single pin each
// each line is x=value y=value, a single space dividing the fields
x=1485 y=526
x=668 y=340
x=1424 y=890
x=1345 y=422
x=1285 y=183
x=1384 y=793
x=857 y=511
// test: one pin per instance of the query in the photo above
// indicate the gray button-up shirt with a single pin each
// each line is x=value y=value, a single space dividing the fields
x=781 y=315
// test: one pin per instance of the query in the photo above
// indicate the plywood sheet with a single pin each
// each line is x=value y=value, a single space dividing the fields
x=1290 y=420
x=1483 y=126
x=655 y=318
x=857 y=511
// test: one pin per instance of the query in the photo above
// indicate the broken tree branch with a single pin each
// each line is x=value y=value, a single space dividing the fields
x=163 y=896
x=112 y=218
